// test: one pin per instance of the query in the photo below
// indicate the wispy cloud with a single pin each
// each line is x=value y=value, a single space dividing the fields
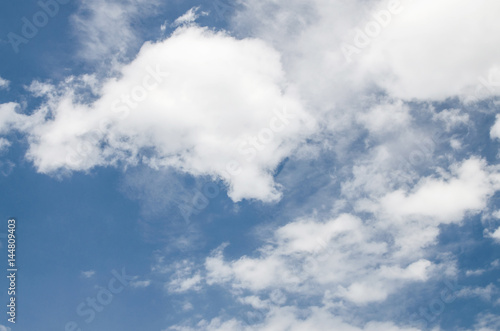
x=88 y=274
x=105 y=28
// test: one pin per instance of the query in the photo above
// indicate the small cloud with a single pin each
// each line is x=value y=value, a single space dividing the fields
x=4 y=144
x=495 y=235
x=484 y=293
x=189 y=17
x=6 y=168
x=4 y=84
x=163 y=27
x=477 y=272
x=187 y=306
x=88 y=274
x=140 y=283
x=452 y=118
x=455 y=144
x=179 y=285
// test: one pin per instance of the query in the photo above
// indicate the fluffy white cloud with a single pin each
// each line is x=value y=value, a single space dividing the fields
x=10 y=119
x=208 y=104
x=386 y=118
x=183 y=277
x=496 y=235
x=343 y=255
x=393 y=50
x=406 y=56
x=413 y=214
x=360 y=261
x=227 y=114
x=447 y=199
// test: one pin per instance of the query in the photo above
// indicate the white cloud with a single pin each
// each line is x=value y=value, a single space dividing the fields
x=496 y=235
x=226 y=114
x=487 y=322
x=9 y=117
x=452 y=118
x=401 y=59
x=4 y=84
x=410 y=63
x=495 y=129
x=308 y=256
x=448 y=199
x=182 y=285
x=386 y=118
x=346 y=259
x=484 y=293
x=215 y=101
x=184 y=278
x=414 y=215
x=189 y=17
x=477 y=272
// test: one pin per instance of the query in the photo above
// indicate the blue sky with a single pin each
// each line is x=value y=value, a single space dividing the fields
x=265 y=165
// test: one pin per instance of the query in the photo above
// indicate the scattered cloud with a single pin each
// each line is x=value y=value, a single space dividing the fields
x=189 y=17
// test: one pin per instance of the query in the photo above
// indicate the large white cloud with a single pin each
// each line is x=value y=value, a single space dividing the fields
x=200 y=101
x=410 y=49
x=444 y=57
